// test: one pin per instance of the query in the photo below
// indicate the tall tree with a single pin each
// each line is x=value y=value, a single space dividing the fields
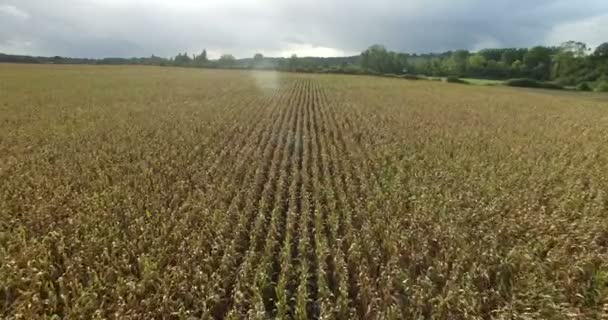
x=201 y=59
x=293 y=62
x=537 y=62
x=477 y=64
x=601 y=50
x=510 y=55
x=457 y=63
x=258 y=61
x=377 y=58
x=227 y=60
x=182 y=59
x=568 y=60
x=578 y=49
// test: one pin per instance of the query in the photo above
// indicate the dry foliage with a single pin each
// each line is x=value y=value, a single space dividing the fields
x=141 y=193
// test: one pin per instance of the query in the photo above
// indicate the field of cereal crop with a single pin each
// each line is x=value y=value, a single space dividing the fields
x=145 y=192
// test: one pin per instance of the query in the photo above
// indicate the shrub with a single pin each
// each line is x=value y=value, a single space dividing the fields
x=602 y=87
x=390 y=75
x=531 y=83
x=524 y=82
x=583 y=87
x=549 y=85
x=566 y=81
x=591 y=76
x=452 y=79
x=352 y=69
x=401 y=76
x=409 y=77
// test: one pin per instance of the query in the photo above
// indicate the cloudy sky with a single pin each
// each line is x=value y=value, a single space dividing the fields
x=125 y=28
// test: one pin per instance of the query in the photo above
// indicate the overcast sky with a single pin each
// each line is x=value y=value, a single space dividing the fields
x=126 y=28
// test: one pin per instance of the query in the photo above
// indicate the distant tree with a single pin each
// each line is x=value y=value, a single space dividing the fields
x=457 y=63
x=477 y=64
x=182 y=59
x=374 y=57
x=568 y=61
x=436 y=67
x=536 y=56
x=491 y=54
x=227 y=60
x=477 y=61
x=203 y=56
x=510 y=55
x=154 y=60
x=201 y=59
x=377 y=58
x=293 y=62
x=537 y=62
x=578 y=49
x=257 y=62
x=496 y=69
x=601 y=50
x=403 y=62
x=517 y=66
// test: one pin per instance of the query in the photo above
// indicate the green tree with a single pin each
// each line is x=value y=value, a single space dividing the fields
x=258 y=61
x=456 y=65
x=537 y=62
x=182 y=59
x=227 y=60
x=293 y=62
x=517 y=66
x=601 y=50
x=578 y=49
x=377 y=58
x=201 y=59
x=496 y=69
x=374 y=57
x=568 y=61
x=477 y=63
x=402 y=61
x=510 y=55
x=491 y=54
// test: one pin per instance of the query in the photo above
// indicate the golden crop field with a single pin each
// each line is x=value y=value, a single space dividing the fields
x=168 y=193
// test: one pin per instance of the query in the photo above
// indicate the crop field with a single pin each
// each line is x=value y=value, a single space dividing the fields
x=151 y=193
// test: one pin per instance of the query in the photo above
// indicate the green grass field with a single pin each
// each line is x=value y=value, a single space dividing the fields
x=148 y=193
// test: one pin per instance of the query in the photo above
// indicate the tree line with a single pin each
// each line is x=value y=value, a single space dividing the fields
x=570 y=63
x=258 y=61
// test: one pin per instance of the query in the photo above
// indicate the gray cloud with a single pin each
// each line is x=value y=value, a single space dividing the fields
x=99 y=28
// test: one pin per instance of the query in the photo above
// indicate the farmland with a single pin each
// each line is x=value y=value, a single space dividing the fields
x=145 y=192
